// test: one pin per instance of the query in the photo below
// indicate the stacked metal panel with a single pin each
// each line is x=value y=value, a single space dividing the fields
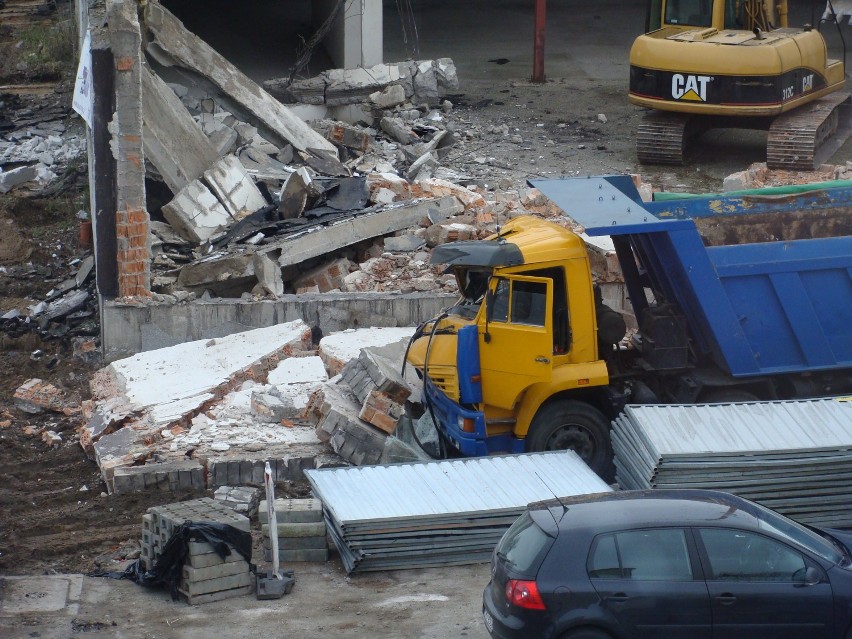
x=793 y=456
x=439 y=513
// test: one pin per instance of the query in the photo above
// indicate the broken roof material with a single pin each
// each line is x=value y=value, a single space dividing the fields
x=792 y=456
x=439 y=513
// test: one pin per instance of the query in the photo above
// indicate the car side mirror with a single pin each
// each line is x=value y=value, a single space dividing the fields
x=812 y=577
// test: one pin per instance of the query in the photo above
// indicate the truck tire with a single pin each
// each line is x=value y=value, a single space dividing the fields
x=574 y=425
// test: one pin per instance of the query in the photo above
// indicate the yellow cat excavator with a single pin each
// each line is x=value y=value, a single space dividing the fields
x=735 y=63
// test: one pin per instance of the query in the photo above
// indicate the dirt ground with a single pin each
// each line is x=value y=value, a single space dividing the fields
x=54 y=514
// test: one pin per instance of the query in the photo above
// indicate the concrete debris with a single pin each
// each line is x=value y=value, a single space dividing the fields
x=37 y=396
x=148 y=399
x=172 y=141
x=196 y=214
x=241 y=499
x=171 y=43
x=421 y=82
x=758 y=176
x=337 y=349
x=234 y=188
x=15 y=177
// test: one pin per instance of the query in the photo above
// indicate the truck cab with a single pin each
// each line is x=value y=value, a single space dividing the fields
x=525 y=332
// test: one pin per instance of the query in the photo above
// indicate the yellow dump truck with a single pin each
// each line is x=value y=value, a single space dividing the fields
x=530 y=359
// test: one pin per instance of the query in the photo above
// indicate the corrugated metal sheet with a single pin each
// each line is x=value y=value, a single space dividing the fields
x=442 y=512
x=795 y=457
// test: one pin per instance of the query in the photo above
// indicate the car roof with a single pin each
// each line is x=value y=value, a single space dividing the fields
x=619 y=510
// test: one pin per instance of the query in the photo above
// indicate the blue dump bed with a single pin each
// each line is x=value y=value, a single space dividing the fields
x=765 y=283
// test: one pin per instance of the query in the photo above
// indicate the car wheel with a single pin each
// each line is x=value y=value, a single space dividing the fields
x=573 y=425
x=586 y=633
x=726 y=396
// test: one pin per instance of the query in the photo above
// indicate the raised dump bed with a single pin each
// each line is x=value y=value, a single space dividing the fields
x=763 y=280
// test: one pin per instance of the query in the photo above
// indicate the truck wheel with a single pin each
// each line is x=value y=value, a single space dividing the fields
x=577 y=426
x=726 y=396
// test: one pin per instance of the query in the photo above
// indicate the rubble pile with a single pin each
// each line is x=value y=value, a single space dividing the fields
x=68 y=311
x=150 y=426
x=37 y=145
x=340 y=189
x=758 y=176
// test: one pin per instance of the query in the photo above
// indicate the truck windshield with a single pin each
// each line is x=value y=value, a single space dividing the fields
x=695 y=13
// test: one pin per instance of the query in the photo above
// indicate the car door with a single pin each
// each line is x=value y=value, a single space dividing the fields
x=650 y=583
x=759 y=590
x=516 y=350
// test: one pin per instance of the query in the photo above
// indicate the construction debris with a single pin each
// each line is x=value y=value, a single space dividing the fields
x=793 y=456
x=414 y=515
x=420 y=82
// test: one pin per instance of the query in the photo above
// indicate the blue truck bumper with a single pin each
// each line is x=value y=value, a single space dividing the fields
x=450 y=417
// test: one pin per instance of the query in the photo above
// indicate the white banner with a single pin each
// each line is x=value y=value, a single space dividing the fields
x=84 y=98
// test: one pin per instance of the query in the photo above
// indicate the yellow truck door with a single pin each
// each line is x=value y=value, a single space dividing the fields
x=516 y=340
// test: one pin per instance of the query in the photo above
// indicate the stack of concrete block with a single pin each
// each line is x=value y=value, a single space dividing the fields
x=301 y=530
x=205 y=576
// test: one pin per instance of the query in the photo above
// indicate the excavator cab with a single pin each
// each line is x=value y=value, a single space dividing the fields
x=719 y=14
x=706 y=64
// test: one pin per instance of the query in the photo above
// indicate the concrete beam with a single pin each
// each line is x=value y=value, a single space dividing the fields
x=188 y=50
x=131 y=329
x=173 y=141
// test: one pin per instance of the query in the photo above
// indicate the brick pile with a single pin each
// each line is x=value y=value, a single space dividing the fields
x=205 y=576
x=301 y=531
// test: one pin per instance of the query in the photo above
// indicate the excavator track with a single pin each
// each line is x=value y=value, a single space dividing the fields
x=663 y=137
x=803 y=139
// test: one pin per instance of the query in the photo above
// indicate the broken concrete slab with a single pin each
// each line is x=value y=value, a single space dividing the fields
x=338 y=348
x=388 y=97
x=268 y=275
x=404 y=243
x=294 y=195
x=15 y=177
x=195 y=213
x=172 y=140
x=421 y=81
x=171 y=39
x=156 y=389
x=398 y=130
x=234 y=188
x=323 y=240
x=340 y=134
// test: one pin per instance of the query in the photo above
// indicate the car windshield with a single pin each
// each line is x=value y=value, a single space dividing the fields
x=524 y=546
x=798 y=534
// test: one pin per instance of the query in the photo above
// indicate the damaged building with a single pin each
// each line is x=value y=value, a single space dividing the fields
x=222 y=204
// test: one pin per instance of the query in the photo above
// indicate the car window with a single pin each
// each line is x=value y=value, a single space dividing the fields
x=798 y=534
x=642 y=555
x=736 y=555
x=524 y=545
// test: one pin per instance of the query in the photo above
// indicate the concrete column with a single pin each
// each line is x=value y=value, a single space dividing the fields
x=355 y=39
x=131 y=219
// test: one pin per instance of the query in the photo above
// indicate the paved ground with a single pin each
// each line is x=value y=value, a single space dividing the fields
x=440 y=604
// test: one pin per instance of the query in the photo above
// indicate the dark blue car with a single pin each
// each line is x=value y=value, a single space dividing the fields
x=671 y=564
